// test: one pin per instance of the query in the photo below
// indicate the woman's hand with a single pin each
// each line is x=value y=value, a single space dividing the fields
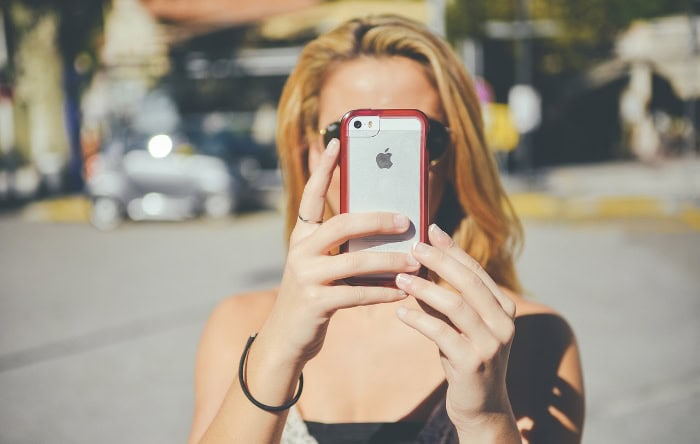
x=310 y=292
x=472 y=325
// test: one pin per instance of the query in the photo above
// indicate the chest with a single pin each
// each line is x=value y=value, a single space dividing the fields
x=358 y=378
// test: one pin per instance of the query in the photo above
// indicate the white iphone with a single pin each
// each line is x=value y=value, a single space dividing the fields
x=384 y=167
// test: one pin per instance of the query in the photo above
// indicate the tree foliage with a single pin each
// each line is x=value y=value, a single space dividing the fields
x=80 y=23
x=587 y=28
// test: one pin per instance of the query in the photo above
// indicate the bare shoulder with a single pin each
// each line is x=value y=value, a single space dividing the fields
x=537 y=324
x=525 y=307
x=220 y=346
x=229 y=324
x=231 y=321
x=243 y=311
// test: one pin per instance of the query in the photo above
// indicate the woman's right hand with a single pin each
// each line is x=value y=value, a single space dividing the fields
x=310 y=291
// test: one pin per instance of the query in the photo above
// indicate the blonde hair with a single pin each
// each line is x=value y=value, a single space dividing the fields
x=486 y=227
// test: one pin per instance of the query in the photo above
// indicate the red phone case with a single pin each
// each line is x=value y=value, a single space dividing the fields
x=345 y=173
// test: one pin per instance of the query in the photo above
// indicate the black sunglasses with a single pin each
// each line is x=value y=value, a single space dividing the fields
x=437 y=141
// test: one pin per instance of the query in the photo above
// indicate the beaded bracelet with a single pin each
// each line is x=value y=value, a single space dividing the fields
x=244 y=386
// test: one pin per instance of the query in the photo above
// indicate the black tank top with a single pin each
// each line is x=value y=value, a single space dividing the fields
x=437 y=429
x=365 y=432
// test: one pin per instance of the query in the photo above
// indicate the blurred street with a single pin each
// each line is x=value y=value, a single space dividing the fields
x=98 y=331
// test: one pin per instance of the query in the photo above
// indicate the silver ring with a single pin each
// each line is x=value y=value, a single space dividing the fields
x=308 y=221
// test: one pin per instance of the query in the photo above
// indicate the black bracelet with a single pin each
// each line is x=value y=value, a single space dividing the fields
x=244 y=387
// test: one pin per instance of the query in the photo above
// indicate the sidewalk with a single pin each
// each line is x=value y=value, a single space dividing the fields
x=670 y=189
x=615 y=190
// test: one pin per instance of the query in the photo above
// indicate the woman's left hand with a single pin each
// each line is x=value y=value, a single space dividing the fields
x=472 y=325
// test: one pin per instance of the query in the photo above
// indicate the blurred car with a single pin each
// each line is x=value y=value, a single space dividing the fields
x=157 y=176
x=253 y=163
x=253 y=166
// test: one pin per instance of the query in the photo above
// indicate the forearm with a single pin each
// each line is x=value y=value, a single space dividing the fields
x=272 y=379
x=496 y=429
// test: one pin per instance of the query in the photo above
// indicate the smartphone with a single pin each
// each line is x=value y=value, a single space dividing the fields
x=384 y=167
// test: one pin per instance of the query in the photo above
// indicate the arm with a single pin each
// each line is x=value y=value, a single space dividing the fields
x=471 y=322
x=568 y=406
x=295 y=325
x=570 y=410
x=218 y=396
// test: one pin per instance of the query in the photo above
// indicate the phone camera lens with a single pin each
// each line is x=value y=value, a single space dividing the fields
x=357 y=124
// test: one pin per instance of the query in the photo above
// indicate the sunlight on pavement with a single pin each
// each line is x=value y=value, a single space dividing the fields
x=66 y=209
x=691 y=216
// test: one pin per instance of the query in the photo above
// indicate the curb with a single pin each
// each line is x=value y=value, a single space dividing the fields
x=528 y=205
x=541 y=206
x=71 y=209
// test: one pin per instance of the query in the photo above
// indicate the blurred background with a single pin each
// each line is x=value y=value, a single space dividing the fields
x=139 y=186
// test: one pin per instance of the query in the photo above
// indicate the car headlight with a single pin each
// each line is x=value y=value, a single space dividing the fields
x=160 y=146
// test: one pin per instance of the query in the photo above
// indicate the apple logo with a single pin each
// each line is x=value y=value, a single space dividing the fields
x=384 y=159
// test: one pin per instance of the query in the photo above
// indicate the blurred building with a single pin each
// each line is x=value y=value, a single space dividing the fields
x=232 y=57
x=239 y=57
x=35 y=149
x=636 y=105
x=133 y=59
x=666 y=48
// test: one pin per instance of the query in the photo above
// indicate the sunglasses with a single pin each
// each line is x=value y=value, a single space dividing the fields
x=437 y=141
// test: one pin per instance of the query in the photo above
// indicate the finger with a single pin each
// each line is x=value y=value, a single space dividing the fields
x=326 y=269
x=466 y=282
x=345 y=226
x=450 y=342
x=313 y=199
x=444 y=242
x=347 y=296
x=453 y=306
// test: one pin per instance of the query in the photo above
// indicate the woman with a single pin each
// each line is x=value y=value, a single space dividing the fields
x=423 y=362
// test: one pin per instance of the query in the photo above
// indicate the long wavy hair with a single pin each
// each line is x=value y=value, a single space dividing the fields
x=474 y=207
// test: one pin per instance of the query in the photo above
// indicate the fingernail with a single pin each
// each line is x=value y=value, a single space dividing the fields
x=403 y=279
x=401 y=311
x=421 y=248
x=401 y=221
x=411 y=260
x=332 y=148
x=439 y=234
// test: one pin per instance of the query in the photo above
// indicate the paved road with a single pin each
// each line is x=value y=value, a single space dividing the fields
x=98 y=330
